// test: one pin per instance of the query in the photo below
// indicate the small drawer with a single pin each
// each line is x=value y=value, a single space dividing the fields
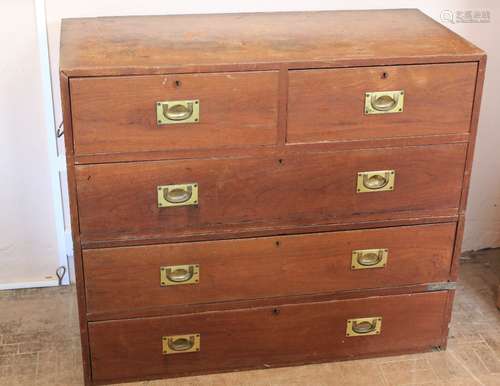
x=120 y=201
x=147 y=277
x=267 y=336
x=173 y=112
x=380 y=102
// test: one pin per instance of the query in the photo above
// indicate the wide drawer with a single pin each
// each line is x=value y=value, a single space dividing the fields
x=340 y=104
x=135 y=278
x=121 y=202
x=120 y=114
x=267 y=336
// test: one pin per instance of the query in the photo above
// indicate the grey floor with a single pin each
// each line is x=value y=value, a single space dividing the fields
x=39 y=343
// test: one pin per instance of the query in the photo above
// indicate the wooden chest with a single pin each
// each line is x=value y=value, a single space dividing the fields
x=258 y=190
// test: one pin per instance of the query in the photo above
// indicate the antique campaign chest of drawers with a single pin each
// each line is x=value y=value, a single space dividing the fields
x=258 y=190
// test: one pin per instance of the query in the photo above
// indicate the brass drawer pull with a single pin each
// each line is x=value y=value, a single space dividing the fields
x=369 y=258
x=177 y=195
x=383 y=102
x=364 y=326
x=376 y=181
x=177 y=112
x=171 y=112
x=179 y=344
x=179 y=274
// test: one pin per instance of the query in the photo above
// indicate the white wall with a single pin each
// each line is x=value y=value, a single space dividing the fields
x=28 y=241
x=483 y=215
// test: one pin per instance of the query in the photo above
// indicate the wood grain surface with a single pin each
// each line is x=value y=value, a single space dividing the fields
x=75 y=224
x=118 y=114
x=192 y=43
x=119 y=201
x=281 y=160
x=328 y=105
x=118 y=279
x=266 y=336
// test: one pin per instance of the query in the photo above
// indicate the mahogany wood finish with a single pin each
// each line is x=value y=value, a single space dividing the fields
x=266 y=337
x=119 y=201
x=77 y=247
x=281 y=138
x=183 y=309
x=281 y=149
x=118 y=279
x=328 y=105
x=200 y=43
x=118 y=114
x=474 y=122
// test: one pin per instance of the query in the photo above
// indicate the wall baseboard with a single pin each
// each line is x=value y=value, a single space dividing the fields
x=29 y=284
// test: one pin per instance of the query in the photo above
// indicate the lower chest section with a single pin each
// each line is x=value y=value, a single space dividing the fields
x=239 y=220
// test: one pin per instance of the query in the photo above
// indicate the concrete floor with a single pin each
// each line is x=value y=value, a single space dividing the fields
x=39 y=344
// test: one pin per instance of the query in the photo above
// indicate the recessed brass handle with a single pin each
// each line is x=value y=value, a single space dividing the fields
x=369 y=258
x=376 y=181
x=179 y=274
x=181 y=344
x=364 y=326
x=172 y=112
x=178 y=111
x=383 y=102
x=177 y=195
x=178 y=344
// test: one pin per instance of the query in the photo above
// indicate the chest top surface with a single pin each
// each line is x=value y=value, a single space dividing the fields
x=203 y=43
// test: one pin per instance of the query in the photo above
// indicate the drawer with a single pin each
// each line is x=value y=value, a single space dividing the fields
x=267 y=336
x=119 y=114
x=329 y=105
x=123 y=279
x=120 y=202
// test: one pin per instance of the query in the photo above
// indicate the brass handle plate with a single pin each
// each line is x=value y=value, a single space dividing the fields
x=172 y=112
x=179 y=275
x=177 y=195
x=364 y=326
x=180 y=344
x=376 y=181
x=384 y=102
x=369 y=258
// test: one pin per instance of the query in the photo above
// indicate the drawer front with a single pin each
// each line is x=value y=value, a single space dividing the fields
x=119 y=114
x=329 y=105
x=120 y=202
x=121 y=279
x=267 y=336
